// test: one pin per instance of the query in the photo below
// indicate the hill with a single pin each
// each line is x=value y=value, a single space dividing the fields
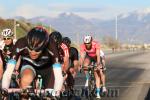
x=133 y=27
x=21 y=27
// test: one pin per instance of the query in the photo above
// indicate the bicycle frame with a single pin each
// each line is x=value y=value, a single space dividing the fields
x=91 y=87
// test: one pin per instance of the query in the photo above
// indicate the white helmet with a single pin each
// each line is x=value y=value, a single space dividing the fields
x=7 y=33
x=87 y=39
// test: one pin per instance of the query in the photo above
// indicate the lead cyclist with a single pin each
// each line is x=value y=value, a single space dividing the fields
x=90 y=52
x=37 y=54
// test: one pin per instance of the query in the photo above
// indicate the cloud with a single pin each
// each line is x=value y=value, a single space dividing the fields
x=86 y=11
x=103 y=13
x=54 y=9
x=59 y=7
x=2 y=11
x=63 y=7
x=30 y=11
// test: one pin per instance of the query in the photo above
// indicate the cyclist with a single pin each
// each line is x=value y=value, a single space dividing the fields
x=74 y=63
x=90 y=52
x=1 y=66
x=39 y=55
x=8 y=43
x=6 y=48
x=62 y=49
x=103 y=78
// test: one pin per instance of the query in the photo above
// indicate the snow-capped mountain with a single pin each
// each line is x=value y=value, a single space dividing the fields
x=133 y=27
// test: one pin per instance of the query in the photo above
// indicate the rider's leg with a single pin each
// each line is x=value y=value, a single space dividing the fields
x=103 y=79
x=27 y=75
x=97 y=78
x=85 y=65
x=76 y=66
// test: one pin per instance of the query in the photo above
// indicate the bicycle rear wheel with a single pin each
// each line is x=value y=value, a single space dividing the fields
x=91 y=85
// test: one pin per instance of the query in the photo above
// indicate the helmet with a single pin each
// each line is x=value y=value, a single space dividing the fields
x=7 y=33
x=37 y=38
x=87 y=39
x=56 y=36
x=67 y=41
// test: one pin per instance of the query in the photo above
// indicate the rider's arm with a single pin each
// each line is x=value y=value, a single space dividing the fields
x=76 y=58
x=66 y=63
x=8 y=73
x=82 y=55
x=66 y=57
x=1 y=68
x=56 y=66
x=18 y=63
x=12 y=63
x=98 y=54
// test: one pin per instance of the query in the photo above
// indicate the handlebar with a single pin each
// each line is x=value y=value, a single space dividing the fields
x=29 y=91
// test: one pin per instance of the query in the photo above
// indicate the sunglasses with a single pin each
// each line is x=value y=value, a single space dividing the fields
x=87 y=43
x=36 y=50
x=7 y=38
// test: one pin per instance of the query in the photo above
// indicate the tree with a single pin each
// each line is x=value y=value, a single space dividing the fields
x=111 y=42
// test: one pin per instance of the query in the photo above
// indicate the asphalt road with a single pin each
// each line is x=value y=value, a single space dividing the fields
x=128 y=76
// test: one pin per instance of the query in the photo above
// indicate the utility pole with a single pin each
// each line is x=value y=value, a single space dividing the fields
x=15 y=28
x=78 y=39
x=116 y=28
x=50 y=29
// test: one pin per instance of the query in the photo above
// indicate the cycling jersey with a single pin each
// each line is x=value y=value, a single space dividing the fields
x=48 y=56
x=92 y=51
x=6 y=54
x=73 y=52
x=48 y=59
x=63 y=52
x=102 y=53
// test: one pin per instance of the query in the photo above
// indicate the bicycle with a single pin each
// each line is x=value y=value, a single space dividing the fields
x=90 y=93
x=30 y=93
x=13 y=84
x=67 y=87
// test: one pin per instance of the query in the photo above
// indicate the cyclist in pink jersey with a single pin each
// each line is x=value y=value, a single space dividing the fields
x=89 y=52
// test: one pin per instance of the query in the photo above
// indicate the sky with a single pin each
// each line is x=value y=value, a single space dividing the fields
x=100 y=9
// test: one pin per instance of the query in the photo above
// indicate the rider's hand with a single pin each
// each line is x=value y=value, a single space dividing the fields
x=99 y=66
x=16 y=72
x=80 y=68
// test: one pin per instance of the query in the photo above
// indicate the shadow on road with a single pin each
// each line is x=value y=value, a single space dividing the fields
x=148 y=95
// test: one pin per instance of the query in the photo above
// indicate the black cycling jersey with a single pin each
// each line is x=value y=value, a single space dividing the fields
x=73 y=52
x=6 y=53
x=48 y=56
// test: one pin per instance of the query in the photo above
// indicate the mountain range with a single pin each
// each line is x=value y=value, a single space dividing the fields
x=132 y=27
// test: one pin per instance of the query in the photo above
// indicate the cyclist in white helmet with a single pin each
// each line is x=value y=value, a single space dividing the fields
x=6 y=49
x=90 y=52
x=8 y=40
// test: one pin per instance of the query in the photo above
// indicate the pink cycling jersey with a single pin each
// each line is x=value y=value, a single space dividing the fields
x=92 y=51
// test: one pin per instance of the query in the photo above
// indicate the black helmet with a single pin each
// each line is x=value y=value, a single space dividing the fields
x=56 y=36
x=67 y=41
x=37 y=38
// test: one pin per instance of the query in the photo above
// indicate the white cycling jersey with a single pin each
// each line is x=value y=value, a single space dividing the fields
x=102 y=53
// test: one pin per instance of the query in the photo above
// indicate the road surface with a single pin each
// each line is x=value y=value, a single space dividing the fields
x=128 y=76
